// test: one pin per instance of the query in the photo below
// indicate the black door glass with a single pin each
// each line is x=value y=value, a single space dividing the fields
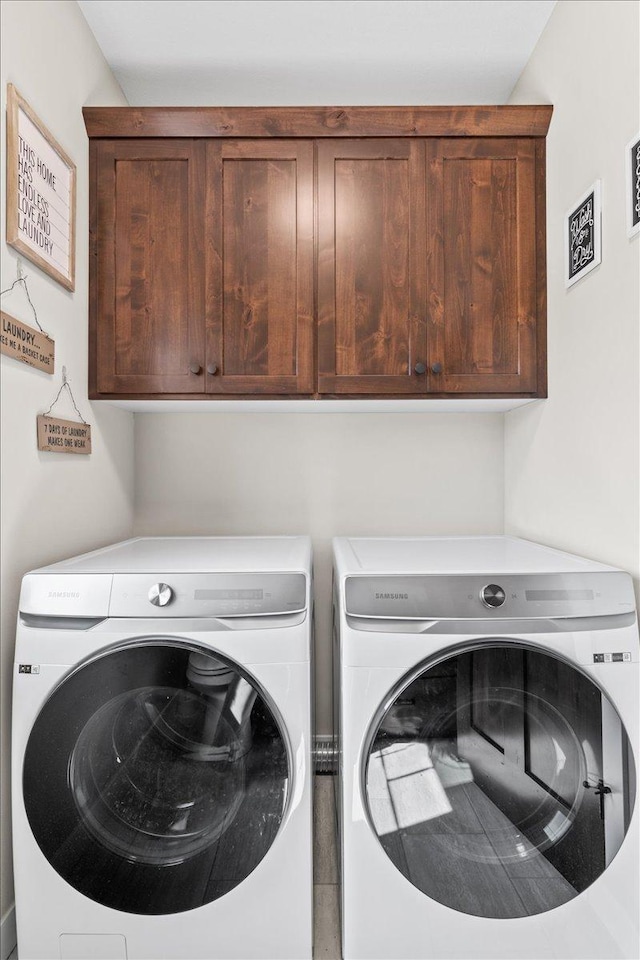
x=156 y=777
x=484 y=781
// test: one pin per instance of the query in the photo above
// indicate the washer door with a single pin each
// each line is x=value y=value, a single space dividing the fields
x=499 y=780
x=156 y=777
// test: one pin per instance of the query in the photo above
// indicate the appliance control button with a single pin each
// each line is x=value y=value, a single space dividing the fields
x=160 y=594
x=492 y=595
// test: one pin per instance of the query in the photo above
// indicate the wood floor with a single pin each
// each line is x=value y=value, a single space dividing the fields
x=452 y=842
x=326 y=933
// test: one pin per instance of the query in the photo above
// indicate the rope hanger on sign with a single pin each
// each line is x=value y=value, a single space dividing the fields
x=67 y=385
x=23 y=280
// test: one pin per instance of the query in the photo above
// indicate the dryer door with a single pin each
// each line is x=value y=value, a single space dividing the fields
x=499 y=780
x=156 y=777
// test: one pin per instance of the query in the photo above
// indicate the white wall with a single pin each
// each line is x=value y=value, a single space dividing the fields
x=53 y=505
x=572 y=460
x=325 y=475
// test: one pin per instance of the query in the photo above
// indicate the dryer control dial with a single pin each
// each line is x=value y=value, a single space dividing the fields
x=160 y=594
x=492 y=595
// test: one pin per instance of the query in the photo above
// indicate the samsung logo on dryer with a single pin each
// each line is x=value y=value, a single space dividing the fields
x=63 y=595
x=392 y=596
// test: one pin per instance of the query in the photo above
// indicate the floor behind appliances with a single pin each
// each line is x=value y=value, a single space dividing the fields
x=489 y=746
x=162 y=752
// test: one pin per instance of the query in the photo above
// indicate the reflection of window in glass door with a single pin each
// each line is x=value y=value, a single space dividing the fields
x=476 y=781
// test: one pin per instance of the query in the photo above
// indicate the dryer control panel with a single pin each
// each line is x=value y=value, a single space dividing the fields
x=508 y=596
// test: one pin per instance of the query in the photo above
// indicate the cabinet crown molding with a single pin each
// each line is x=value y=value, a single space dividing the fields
x=526 y=120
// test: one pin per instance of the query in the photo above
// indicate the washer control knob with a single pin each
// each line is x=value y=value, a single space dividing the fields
x=492 y=595
x=160 y=594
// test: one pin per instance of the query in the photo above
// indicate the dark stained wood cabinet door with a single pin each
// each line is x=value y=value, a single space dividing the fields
x=484 y=245
x=147 y=305
x=371 y=293
x=259 y=267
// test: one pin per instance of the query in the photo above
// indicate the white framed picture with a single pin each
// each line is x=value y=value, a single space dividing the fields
x=632 y=166
x=583 y=235
x=41 y=193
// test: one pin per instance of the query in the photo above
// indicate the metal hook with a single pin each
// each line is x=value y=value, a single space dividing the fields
x=23 y=280
x=65 y=383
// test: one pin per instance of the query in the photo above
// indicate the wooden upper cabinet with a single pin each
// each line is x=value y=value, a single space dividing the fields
x=147 y=304
x=259 y=267
x=485 y=266
x=363 y=252
x=371 y=221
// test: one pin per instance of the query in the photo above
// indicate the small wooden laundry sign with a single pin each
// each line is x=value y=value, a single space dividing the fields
x=25 y=343
x=63 y=436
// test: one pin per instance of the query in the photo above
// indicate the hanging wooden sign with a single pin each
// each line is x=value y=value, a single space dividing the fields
x=22 y=342
x=63 y=436
x=41 y=193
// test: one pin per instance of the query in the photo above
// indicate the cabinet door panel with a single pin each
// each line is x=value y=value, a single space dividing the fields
x=481 y=265
x=370 y=272
x=259 y=268
x=149 y=305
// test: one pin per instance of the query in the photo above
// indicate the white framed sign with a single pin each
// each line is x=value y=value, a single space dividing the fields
x=41 y=193
x=583 y=235
x=632 y=163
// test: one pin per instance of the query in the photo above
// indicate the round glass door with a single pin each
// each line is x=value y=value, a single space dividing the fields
x=499 y=781
x=156 y=777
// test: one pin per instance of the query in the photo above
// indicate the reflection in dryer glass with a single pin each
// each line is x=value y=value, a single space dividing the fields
x=156 y=778
x=483 y=782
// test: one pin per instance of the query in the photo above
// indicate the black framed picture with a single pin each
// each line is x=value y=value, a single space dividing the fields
x=583 y=235
x=633 y=185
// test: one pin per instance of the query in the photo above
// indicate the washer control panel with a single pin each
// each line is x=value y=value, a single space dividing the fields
x=207 y=594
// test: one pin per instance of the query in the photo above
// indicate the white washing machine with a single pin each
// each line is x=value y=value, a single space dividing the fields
x=488 y=731
x=162 y=792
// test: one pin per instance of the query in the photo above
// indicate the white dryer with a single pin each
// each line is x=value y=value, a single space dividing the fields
x=488 y=731
x=162 y=801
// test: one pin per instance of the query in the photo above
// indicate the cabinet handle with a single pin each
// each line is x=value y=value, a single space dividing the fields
x=420 y=368
x=195 y=368
x=212 y=369
x=600 y=791
x=436 y=368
